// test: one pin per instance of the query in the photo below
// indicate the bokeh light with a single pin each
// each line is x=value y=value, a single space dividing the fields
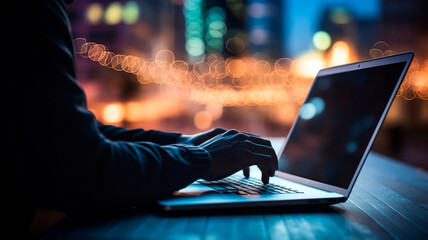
x=240 y=64
x=321 y=40
x=242 y=81
x=203 y=120
x=94 y=13
x=340 y=15
x=113 y=13
x=309 y=64
x=131 y=12
x=235 y=45
x=307 y=111
x=194 y=33
x=113 y=113
x=195 y=47
x=340 y=53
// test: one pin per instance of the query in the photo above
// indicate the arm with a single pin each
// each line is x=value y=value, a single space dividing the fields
x=119 y=133
x=61 y=158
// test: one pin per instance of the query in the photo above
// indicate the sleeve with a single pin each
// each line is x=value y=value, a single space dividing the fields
x=119 y=133
x=63 y=158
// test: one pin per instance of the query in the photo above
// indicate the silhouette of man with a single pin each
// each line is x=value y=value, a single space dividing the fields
x=60 y=157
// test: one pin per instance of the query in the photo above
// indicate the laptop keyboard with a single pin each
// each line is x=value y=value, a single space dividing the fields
x=246 y=186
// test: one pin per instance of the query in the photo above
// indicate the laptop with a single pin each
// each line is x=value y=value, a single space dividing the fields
x=325 y=149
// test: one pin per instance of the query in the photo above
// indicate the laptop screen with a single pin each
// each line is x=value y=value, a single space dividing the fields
x=336 y=123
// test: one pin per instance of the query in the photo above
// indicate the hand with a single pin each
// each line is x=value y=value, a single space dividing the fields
x=199 y=138
x=232 y=151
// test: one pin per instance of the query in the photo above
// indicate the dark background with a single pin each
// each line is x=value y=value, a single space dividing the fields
x=269 y=30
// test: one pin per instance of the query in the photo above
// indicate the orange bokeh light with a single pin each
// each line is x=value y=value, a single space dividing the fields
x=244 y=81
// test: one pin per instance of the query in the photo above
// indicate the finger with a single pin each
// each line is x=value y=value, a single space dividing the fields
x=205 y=136
x=265 y=175
x=246 y=172
x=246 y=135
x=231 y=132
x=211 y=133
x=258 y=140
x=217 y=131
x=263 y=149
x=266 y=161
x=251 y=134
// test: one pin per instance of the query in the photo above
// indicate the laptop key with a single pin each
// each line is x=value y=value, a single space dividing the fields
x=247 y=186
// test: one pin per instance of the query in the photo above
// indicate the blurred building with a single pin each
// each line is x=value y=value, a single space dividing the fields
x=306 y=31
x=137 y=28
x=345 y=19
x=404 y=25
x=264 y=21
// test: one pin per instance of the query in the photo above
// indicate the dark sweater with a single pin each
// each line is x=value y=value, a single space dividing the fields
x=59 y=156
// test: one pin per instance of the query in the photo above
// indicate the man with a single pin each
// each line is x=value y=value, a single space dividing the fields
x=60 y=157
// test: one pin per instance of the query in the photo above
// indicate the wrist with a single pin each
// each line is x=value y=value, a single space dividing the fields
x=199 y=158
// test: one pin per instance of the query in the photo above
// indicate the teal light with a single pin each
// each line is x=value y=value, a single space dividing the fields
x=215 y=29
x=215 y=43
x=218 y=11
x=194 y=33
x=195 y=47
x=217 y=25
x=307 y=111
x=215 y=33
x=131 y=12
x=321 y=40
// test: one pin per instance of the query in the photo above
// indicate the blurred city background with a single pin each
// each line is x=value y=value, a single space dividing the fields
x=192 y=65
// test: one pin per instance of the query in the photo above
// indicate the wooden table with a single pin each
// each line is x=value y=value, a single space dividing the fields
x=389 y=200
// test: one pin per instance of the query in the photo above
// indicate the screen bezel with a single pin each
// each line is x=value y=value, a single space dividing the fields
x=403 y=57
